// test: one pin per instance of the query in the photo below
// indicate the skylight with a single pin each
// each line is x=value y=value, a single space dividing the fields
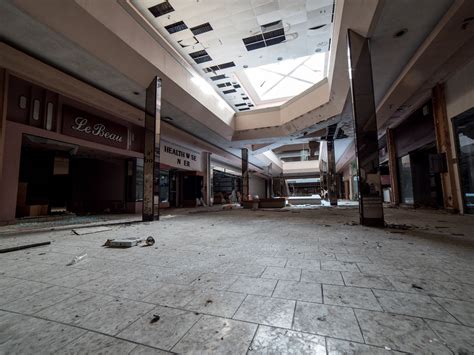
x=287 y=78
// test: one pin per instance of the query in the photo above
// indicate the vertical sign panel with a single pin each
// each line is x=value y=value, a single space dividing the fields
x=245 y=174
x=151 y=169
x=366 y=138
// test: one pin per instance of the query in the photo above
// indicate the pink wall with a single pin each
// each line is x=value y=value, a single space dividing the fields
x=11 y=171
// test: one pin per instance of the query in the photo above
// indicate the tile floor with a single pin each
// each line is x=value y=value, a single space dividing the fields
x=235 y=282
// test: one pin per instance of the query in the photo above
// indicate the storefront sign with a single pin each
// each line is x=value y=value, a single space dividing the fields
x=180 y=157
x=80 y=124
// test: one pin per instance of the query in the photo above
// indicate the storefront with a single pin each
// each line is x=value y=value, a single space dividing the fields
x=64 y=156
x=415 y=143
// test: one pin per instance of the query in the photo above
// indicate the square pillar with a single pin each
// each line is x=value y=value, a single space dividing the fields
x=366 y=135
x=392 y=165
x=151 y=168
x=3 y=114
x=207 y=180
x=444 y=145
x=331 y=174
x=245 y=174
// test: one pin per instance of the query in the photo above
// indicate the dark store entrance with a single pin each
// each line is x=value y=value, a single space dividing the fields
x=57 y=177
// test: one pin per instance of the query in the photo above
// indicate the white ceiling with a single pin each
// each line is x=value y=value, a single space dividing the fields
x=305 y=28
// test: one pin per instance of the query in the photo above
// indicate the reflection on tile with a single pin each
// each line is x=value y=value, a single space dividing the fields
x=93 y=343
x=302 y=291
x=323 y=276
x=27 y=335
x=40 y=300
x=269 y=340
x=215 y=335
x=339 y=322
x=20 y=290
x=462 y=310
x=350 y=296
x=165 y=332
x=282 y=273
x=399 y=333
x=254 y=286
x=266 y=310
x=459 y=338
x=339 y=347
x=101 y=313
x=366 y=280
x=218 y=303
x=412 y=305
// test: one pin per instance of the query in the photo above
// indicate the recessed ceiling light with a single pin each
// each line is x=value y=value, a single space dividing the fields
x=400 y=33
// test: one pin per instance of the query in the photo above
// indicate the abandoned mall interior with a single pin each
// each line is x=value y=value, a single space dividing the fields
x=237 y=177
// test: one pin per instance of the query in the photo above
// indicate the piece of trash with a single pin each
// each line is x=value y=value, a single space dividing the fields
x=128 y=242
x=208 y=302
x=90 y=230
x=416 y=286
x=77 y=259
x=155 y=318
x=21 y=247
x=387 y=348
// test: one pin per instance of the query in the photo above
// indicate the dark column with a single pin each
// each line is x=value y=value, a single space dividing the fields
x=331 y=174
x=3 y=113
x=245 y=174
x=207 y=181
x=443 y=143
x=392 y=165
x=151 y=169
x=365 y=123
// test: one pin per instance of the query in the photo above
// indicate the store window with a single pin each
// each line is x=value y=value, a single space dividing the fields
x=464 y=126
x=164 y=186
x=406 y=180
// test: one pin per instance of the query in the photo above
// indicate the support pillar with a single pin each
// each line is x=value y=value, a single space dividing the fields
x=245 y=174
x=393 y=167
x=331 y=174
x=3 y=114
x=151 y=168
x=443 y=142
x=207 y=181
x=366 y=137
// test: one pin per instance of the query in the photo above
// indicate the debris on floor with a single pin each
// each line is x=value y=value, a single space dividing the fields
x=398 y=226
x=25 y=246
x=155 y=318
x=416 y=286
x=90 y=230
x=129 y=242
x=77 y=259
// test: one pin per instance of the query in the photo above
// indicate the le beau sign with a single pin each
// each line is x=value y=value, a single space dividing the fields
x=80 y=124
x=179 y=157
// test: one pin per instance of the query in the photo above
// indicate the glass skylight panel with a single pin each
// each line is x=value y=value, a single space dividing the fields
x=286 y=78
x=288 y=87
x=306 y=74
